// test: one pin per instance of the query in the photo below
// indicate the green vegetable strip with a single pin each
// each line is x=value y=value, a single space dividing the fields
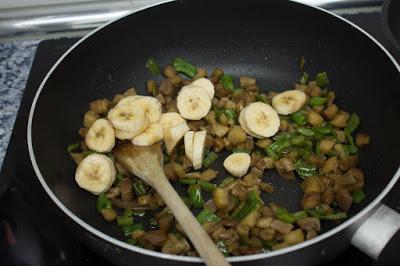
x=271 y=153
x=184 y=67
x=321 y=214
x=253 y=203
x=323 y=130
x=306 y=131
x=260 y=98
x=317 y=101
x=358 y=196
x=152 y=65
x=353 y=123
x=128 y=213
x=87 y=152
x=195 y=196
x=304 y=170
x=227 y=82
x=129 y=229
x=299 y=119
x=222 y=248
x=139 y=187
x=124 y=221
x=139 y=213
x=298 y=140
x=153 y=223
x=188 y=181
x=119 y=177
x=226 y=181
x=103 y=202
x=300 y=215
x=239 y=150
x=304 y=78
x=285 y=216
x=209 y=159
x=322 y=79
x=73 y=146
x=207 y=186
x=207 y=216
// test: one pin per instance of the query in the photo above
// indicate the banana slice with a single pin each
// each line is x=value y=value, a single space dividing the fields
x=124 y=135
x=244 y=126
x=172 y=135
x=261 y=119
x=96 y=173
x=128 y=118
x=205 y=84
x=289 y=102
x=237 y=164
x=128 y=100
x=199 y=141
x=193 y=103
x=171 y=119
x=149 y=136
x=188 y=141
x=151 y=107
x=100 y=136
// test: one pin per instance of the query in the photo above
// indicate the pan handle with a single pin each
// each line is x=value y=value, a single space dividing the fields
x=379 y=235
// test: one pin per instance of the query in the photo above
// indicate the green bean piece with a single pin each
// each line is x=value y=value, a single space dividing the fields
x=304 y=170
x=230 y=114
x=103 y=202
x=227 y=82
x=304 y=153
x=321 y=214
x=222 y=248
x=73 y=146
x=131 y=241
x=352 y=148
x=118 y=178
x=195 y=196
x=285 y=216
x=227 y=181
x=353 y=123
x=210 y=158
x=207 y=185
x=305 y=131
x=260 y=98
x=139 y=213
x=323 y=130
x=281 y=143
x=253 y=202
x=124 y=221
x=184 y=67
x=335 y=216
x=152 y=65
x=153 y=223
x=358 y=196
x=316 y=212
x=187 y=181
x=129 y=229
x=317 y=101
x=87 y=152
x=300 y=215
x=239 y=150
x=128 y=213
x=304 y=78
x=207 y=216
x=139 y=187
x=299 y=119
x=298 y=140
x=271 y=153
x=322 y=79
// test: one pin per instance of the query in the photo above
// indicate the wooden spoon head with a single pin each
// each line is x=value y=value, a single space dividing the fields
x=144 y=162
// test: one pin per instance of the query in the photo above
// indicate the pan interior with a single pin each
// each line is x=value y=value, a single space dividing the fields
x=262 y=39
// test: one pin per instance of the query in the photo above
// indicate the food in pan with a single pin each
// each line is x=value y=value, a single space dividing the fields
x=299 y=133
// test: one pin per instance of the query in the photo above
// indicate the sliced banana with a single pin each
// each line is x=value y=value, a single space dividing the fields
x=237 y=164
x=289 y=102
x=199 y=141
x=128 y=118
x=96 y=173
x=124 y=135
x=205 y=84
x=244 y=126
x=193 y=103
x=188 y=141
x=261 y=119
x=151 y=107
x=100 y=137
x=152 y=134
x=171 y=119
x=128 y=100
x=172 y=135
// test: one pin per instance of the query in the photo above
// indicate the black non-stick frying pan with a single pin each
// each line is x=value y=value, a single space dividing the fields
x=264 y=39
x=390 y=17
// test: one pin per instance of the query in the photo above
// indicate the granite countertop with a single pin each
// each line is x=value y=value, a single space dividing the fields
x=15 y=63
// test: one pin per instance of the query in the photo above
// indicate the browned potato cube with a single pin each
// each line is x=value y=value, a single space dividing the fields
x=221 y=197
x=263 y=143
x=169 y=72
x=362 y=139
x=312 y=184
x=329 y=165
x=130 y=92
x=176 y=81
x=310 y=200
x=237 y=135
x=314 y=119
x=300 y=87
x=330 y=112
x=166 y=87
x=326 y=145
x=318 y=109
x=109 y=214
x=315 y=91
x=247 y=81
x=294 y=237
x=340 y=119
x=89 y=118
x=100 y=106
x=201 y=73
x=340 y=136
x=331 y=97
x=217 y=73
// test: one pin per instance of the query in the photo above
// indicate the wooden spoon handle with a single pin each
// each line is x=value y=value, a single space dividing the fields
x=199 y=237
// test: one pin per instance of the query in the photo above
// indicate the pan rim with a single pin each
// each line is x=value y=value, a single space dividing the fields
x=121 y=244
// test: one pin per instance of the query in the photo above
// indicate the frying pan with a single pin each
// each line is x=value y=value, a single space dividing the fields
x=391 y=23
x=264 y=39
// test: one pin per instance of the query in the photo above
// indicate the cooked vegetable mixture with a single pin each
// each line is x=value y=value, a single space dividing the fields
x=299 y=133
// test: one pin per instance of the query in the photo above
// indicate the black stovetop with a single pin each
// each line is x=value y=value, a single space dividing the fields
x=31 y=232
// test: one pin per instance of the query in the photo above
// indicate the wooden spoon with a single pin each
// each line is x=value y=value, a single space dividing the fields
x=147 y=164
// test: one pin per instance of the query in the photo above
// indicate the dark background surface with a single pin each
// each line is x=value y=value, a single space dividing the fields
x=41 y=240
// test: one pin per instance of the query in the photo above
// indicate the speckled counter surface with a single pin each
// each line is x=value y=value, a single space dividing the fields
x=15 y=62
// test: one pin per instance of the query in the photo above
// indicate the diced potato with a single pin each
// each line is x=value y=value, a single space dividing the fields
x=251 y=219
x=340 y=136
x=340 y=119
x=294 y=237
x=169 y=72
x=362 y=139
x=166 y=87
x=263 y=143
x=314 y=119
x=266 y=187
x=315 y=91
x=219 y=130
x=326 y=145
x=100 y=106
x=221 y=197
x=179 y=171
x=89 y=118
x=329 y=165
x=109 y=214
x=201 y=73
x=130 y=92
x=330 y=112
x=328 y=196
x=267 y=234
x=280 y=246
x=77 y=157
x=264 y=222
x=311 y=234
x=137 y=234
x=340 y=150
x=236 y=135
x=246 y=81
x=218 y=144
x=310 y=200
x=144 y=199
x=170 y=172
x=331 y=97
x=208 y=175
x=312 y=184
